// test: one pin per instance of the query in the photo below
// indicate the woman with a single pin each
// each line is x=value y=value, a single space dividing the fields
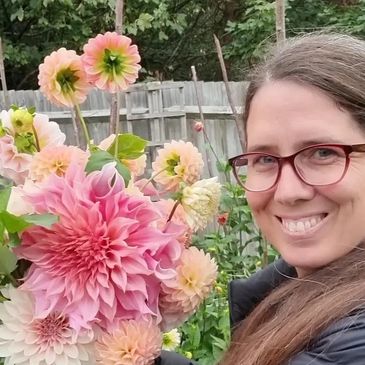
x=304 y=176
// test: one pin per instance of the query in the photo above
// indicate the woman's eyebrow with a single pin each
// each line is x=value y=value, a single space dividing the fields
x=268 y=148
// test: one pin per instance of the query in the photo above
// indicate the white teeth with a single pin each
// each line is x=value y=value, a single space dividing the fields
x=302 y=225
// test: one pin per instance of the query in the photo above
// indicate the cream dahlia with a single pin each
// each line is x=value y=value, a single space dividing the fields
x=111 y=62
x=26 y=339
x=182 y=295
x=105 y=259
x=62 y=78
x=177 y=162
x=132 y=343
x=171 y=340
x=200 y=202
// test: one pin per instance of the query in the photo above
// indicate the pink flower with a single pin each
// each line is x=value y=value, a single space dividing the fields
x=105 y=259
x=26 y=339
x=111 y=62
x=136 y=166
x=48 y=133
x=198 y=126
x=62 y=78
x=177 y=162
x=17 y=204
x=132 y=343
x=183 y=294
x=179 y=217
x=56 y=159
x=13 y=165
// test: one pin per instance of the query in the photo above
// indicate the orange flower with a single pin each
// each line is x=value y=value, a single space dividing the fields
x=62 y=78
x=111 y=62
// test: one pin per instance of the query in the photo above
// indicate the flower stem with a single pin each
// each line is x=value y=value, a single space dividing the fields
x=83 y=124
x=173 y=211
x=117 y=124
x=152 y=177
x=37 y=146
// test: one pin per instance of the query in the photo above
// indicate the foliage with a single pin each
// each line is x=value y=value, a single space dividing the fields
x=251 y=34
x=171 y=34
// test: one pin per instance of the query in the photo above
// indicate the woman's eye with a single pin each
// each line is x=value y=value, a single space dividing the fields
x=264 y=160
x=323 y=153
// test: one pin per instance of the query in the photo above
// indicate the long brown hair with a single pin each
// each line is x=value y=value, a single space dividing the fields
x=291 y=316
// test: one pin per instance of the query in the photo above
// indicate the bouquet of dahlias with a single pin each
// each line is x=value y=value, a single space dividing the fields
x=95 y=262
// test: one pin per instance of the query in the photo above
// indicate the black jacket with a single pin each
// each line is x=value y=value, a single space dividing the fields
x=343 y=343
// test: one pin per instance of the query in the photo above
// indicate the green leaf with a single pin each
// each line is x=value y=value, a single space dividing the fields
x=12 y=223
x=130 y=146
x=43 y=220
x=100 y=158
x=8 y=260
x=14 y=240
x=4 y=197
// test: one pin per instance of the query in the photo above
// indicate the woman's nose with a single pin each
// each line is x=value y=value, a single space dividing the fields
x=291 y=188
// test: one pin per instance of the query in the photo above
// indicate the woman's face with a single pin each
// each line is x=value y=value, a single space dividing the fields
x=285 y=117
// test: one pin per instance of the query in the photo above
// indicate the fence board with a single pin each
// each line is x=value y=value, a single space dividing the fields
x=220 y=126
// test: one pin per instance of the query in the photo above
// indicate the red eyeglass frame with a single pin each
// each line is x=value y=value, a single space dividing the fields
x=348 y=149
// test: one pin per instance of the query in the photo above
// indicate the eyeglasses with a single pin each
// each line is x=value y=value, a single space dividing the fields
x=316 y=165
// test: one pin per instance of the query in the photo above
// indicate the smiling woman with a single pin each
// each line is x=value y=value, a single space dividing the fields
x=304 y=173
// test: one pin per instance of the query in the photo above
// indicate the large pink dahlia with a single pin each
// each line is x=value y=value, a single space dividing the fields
x=111 y=62
x=105 y=259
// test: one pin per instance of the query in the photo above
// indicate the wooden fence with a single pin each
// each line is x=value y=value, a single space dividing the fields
x=157 y=112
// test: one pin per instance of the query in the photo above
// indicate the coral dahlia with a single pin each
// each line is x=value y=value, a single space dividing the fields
x=182 y=295
x=105 y=259
x=56 y=159
x=62 y=78
x=111 y=61
x=177 y=162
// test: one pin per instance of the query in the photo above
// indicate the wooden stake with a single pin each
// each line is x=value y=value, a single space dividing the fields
x=239 y=123
x=3 y=78
x=115 y=102
x=280 y=21
x=202 y=119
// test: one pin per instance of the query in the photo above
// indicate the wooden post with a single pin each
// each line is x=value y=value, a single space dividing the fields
x=202 y=119
x=115 y=102
x=280 y=21
x=239 y=123
x=3 y=78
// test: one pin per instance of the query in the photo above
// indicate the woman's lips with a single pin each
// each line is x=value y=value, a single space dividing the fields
x=302 y=225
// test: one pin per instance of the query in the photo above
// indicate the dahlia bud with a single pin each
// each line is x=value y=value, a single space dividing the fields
x=22 y=121
x=222 y=219
x=198 y=126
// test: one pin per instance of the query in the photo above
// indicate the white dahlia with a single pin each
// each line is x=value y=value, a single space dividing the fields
x=26 y=340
